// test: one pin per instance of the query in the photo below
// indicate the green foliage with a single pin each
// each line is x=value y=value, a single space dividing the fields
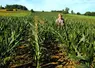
x=15 y=6
x=77 y=35
x=72 y=12
x=32 y=10
x=11 y=35
x=78 y=13
x=1 y=7
x=66 y=11
x=90 y=13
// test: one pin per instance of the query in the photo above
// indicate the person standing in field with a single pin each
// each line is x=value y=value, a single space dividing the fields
x=59 y=20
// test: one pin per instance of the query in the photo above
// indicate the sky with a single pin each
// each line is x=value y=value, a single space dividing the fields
x=81 y=6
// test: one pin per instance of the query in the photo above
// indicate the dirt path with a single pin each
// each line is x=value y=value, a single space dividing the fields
x=60 y=60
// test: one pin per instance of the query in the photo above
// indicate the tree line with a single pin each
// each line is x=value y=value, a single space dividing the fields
x=66 y=11
x=90 y=14
x=15 y=6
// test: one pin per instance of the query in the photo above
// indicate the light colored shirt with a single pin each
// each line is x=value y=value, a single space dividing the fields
x=60 y=21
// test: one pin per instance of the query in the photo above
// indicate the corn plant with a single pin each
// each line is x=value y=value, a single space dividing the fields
x=10 y=37
x=77 y=35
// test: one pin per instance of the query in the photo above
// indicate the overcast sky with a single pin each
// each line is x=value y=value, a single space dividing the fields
x=47 y=5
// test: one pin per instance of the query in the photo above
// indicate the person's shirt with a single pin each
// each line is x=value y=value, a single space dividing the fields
x=60 y=21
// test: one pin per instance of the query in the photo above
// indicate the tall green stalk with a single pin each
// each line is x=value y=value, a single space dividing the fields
x=37 y=49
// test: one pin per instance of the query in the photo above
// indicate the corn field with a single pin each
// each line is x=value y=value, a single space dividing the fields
x=41 y=38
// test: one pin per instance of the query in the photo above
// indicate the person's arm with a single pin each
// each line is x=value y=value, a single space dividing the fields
x=57 y=22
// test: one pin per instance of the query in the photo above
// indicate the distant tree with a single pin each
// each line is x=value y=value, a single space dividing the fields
x=66 y=10
x=56 y=11
x=72 y=12
x=87 y=13
x=90 y=13
x=43 y=11
x=78 y=13
x=63 y=10
x=15 y=6
x=1 y=7
x=53 y=11
x=8 y=8
x=93 y=14
x=32 y=10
